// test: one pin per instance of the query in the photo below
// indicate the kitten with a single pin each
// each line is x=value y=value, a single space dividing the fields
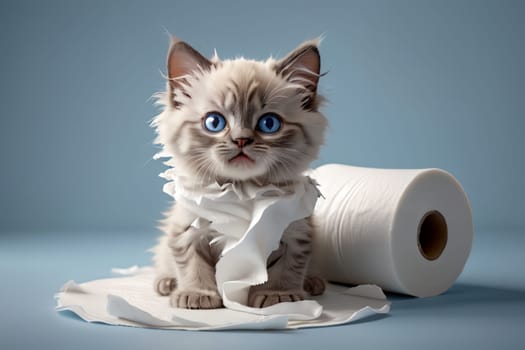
x=237 y=121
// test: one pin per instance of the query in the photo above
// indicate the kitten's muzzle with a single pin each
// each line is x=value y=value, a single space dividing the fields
x=242 y=157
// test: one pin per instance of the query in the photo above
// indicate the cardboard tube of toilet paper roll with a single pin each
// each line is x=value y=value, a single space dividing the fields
x=408 y=231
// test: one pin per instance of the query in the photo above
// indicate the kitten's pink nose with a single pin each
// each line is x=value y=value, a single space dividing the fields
x=243 y=141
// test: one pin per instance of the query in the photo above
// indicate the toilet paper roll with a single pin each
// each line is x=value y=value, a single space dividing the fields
x=408 y=231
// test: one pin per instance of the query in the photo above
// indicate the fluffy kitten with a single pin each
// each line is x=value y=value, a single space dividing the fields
x=237 y=121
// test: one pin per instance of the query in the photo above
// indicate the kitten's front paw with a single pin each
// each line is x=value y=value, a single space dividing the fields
x=265 y=298
x=195 y=299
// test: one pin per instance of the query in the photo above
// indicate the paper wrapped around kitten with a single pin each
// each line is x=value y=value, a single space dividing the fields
x=247 y=124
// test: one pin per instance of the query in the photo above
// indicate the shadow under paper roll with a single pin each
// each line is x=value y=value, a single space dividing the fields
x=408 y=231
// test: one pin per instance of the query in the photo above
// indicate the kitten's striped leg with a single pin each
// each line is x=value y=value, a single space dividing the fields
x=286 y=268
x=195 y=264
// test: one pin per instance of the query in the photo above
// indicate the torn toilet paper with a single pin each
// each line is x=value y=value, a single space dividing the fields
x=252 y=220
x=131 y=301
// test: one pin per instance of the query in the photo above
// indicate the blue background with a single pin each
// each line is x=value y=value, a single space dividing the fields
x=411 y=84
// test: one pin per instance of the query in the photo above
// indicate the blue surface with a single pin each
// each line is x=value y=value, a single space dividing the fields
x=485 y=309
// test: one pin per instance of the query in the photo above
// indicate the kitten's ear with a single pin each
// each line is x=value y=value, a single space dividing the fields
x=302 y=66
x=183 y=60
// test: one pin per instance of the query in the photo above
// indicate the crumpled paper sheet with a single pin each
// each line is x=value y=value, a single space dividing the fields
x=131 y=301
x=251 y=219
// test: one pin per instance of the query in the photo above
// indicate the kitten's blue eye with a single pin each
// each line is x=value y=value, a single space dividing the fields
x=269 y=123
x=214 y=122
